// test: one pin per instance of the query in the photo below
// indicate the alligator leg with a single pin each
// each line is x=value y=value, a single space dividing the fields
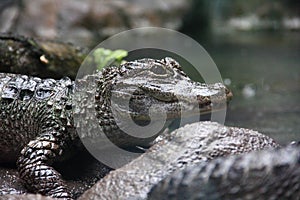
x=34 y=166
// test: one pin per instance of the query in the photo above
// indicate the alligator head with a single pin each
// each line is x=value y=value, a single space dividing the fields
x=150 y=92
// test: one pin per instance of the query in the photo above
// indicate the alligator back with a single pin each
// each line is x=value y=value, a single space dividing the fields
x=26 y=104
x=264 y=175
x=188 y=145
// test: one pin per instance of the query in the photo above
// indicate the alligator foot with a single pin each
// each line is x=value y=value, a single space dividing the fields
x=35 y=170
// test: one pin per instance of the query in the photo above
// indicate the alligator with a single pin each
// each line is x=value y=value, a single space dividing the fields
x=191 y=144
x=264 y=175
x=37 y=125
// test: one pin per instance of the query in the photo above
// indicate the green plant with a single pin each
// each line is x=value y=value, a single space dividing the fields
x=104 y=57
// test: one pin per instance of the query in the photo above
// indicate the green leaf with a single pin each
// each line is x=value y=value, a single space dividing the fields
x=104 y=57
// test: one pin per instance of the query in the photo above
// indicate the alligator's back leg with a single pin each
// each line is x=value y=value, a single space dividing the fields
x=34 y=166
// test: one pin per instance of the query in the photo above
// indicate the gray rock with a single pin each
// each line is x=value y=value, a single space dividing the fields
x=80 y=172
x=25 y=197
x=85 y=23
x=10 y=182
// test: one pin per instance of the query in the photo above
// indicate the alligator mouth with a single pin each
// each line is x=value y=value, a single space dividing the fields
x=174 y=109
x=168 y=106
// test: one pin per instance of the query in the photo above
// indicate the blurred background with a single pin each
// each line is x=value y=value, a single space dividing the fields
x=255 y=44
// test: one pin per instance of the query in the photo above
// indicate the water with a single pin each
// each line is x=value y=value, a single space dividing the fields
x=263 y=69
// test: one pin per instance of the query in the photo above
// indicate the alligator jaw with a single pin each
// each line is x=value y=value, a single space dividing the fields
x=181 y=100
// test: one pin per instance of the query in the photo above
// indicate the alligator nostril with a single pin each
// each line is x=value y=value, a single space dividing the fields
x=204 y=100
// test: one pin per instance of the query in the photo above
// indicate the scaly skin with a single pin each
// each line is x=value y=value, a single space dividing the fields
x=265 y=175
x=35 y=129
x=189 y=145
x=37 y=126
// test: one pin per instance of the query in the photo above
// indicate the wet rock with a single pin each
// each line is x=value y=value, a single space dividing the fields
x=80 y=172
x=25 y=197
x=10 y=181
x=87 y=22
x=8 y=14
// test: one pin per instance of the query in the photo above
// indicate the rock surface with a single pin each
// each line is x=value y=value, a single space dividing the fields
x=80 y=173
x=86 y=23
x=10 y=181
x=25 y=197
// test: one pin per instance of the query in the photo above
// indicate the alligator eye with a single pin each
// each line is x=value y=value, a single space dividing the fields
x=158 y=69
